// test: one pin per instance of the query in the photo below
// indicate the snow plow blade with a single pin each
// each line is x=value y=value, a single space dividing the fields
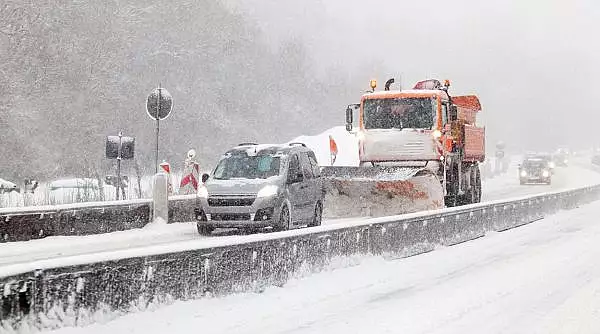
x=379 y=191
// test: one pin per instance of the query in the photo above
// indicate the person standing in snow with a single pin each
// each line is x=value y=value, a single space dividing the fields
x=191 y=175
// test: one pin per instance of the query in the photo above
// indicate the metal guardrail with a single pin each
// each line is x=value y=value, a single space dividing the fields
x=72 y=294
x=72 y=219
x=30 y=223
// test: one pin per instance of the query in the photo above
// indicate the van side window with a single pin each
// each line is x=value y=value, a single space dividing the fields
x=314 y=164
x=306 y=166
x=294 y=166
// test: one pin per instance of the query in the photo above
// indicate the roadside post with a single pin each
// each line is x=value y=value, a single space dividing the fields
x=166 y=168
x=160 y=199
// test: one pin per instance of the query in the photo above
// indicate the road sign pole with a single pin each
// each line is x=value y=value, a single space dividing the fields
x=119 y=153
x=157 y=128
x=157 y=133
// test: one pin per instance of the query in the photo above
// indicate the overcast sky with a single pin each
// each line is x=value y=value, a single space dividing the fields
x=532 y=62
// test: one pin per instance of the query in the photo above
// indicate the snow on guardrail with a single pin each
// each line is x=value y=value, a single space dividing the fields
x=191 y=269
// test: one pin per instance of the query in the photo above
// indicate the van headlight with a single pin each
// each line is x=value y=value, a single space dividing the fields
x=523 y=173
x=202 y=192
x=268 y=191
x=545 y=173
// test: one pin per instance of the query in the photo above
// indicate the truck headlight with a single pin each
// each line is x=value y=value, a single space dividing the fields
x=202 y=192
x=523 y=173
x=545 y=173
x=552 y=164
x=268 y=191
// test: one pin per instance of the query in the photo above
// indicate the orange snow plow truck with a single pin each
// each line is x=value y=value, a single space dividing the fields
x=419 y=149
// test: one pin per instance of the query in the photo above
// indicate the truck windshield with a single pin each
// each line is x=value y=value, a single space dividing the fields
x=399 y=113
x=242 y=166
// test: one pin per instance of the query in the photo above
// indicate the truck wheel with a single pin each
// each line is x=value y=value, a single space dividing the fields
x=467 y=198
x=450 y=201
x=204 y=229
x=478 y=185
x=318 y=217
x=470 y=196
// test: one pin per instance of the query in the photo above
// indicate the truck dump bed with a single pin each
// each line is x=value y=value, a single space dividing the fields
x=474 y=136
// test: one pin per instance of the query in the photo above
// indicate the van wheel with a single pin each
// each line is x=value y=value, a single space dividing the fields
x=204 y=229
x=318 y=217
x=284 y=219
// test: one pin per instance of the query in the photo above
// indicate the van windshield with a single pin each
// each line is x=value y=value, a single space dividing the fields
x=242 y=166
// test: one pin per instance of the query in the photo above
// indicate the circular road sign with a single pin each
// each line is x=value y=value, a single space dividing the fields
x=159 y=104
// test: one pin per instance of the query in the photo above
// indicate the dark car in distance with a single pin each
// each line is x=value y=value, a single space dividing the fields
x=535 y=169
x=561 y=157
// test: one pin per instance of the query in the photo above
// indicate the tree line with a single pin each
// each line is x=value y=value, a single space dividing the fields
x=76 y=71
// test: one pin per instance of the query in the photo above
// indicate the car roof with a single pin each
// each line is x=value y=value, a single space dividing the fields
x=536 y=159
x=270 y=148
x=538 y=155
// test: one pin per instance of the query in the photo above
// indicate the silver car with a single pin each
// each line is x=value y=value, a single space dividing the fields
x=256 y=186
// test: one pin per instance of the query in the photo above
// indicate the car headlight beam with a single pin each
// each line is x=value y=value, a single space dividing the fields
x=523 y=173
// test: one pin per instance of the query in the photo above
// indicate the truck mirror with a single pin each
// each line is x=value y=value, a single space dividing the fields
x=453 y=113
x=349 y=119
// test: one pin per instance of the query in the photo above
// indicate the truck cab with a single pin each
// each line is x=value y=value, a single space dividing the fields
x=423 y=127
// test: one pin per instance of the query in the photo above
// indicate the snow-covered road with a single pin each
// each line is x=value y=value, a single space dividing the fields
x=579 y=174
x=500 y=187
x=539 y=278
